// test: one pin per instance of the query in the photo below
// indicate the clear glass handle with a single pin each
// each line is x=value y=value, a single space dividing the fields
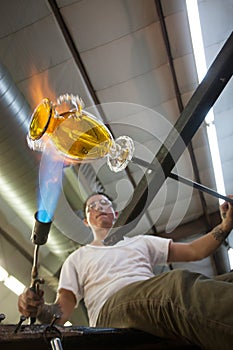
x=119 y=156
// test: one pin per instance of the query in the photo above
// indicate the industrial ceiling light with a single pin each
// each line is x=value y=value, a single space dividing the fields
x=11 y=282
x=3 y=274
x=199 y=55
x=14 y=285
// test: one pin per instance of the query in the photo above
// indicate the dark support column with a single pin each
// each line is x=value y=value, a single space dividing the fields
x=186 y=126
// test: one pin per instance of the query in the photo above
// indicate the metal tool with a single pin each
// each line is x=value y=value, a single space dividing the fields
x=184 y=180
x=2 y=317
x=53 y=334
x=56 y=344
x=22 y=319
x=39 y=237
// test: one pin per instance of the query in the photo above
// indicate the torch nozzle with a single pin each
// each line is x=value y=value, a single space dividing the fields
x=40 y=231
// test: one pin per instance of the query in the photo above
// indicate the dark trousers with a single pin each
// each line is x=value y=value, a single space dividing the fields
x=178 y=304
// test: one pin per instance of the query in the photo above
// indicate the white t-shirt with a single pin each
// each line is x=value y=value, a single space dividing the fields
x=96 y=272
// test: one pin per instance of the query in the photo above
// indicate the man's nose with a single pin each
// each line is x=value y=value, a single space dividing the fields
x=99 y=207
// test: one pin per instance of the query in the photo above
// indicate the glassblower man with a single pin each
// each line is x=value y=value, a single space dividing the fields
x=120 y=289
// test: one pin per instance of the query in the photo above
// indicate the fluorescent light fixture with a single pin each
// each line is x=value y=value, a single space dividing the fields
x=11 y=282
x=3 y=274
x=196 y=35
x=199 y=55
x=230 y=254
x=14 y=285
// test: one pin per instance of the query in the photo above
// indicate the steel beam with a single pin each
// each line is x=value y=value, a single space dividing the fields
x=181 y=134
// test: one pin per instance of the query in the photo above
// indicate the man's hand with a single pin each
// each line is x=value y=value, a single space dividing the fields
x=226 y=211
x=29 y=302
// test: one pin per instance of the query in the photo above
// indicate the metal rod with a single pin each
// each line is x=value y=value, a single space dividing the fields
x=22 y=319
x=2 y=317
x=56 y=344
x=200 y=187
x=34 y=272
x=184 y=180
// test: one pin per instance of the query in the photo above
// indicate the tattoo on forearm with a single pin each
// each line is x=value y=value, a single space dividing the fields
x=219 y=234
x=48 y=311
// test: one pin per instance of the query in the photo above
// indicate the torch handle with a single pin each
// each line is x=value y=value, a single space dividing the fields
x=39 y=237
x=35 y=288
x=32 y=319
x=35 y=281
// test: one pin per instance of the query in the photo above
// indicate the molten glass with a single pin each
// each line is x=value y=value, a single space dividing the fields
x=76 y=134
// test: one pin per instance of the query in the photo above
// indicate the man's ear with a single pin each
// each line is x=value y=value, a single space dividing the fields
x=116 y=215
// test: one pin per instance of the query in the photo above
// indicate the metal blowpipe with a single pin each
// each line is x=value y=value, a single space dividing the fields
x=184 y=180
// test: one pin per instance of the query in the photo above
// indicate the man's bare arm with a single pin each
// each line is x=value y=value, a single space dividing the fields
x=207 y=244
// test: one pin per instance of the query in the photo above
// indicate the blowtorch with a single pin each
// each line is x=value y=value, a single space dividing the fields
x=39 y=237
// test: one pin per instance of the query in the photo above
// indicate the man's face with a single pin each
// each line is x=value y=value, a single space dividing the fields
x=99 y=212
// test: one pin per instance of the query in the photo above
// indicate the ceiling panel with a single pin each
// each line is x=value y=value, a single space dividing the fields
x=132 y=56
x=95 y=23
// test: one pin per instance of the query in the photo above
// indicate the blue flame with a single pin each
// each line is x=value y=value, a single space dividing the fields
x=50 y=184
x=43 y=216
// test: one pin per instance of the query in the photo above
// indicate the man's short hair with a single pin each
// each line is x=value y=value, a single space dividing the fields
x=91 y=195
